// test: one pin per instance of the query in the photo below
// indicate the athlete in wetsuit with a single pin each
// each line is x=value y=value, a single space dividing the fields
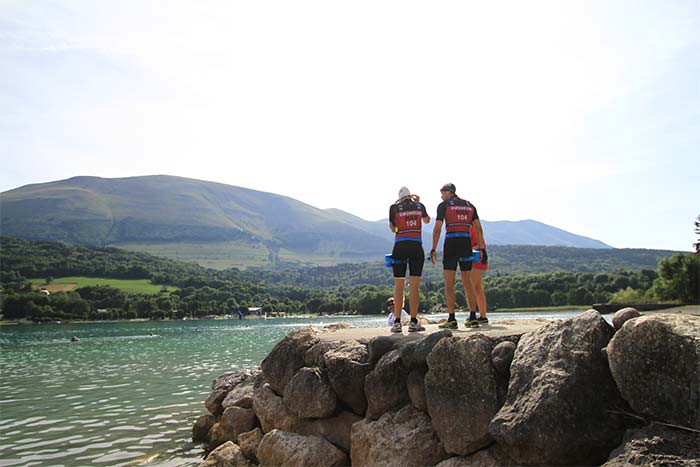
x=458 y=215
x=405 y=217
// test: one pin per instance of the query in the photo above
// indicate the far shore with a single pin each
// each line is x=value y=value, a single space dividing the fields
x=685 y=309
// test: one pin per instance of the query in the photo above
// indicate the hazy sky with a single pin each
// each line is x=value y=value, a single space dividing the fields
x=584 y=115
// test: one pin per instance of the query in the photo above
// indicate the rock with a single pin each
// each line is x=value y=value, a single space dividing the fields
x=241 y=394
x=226 y=455
x=403 y=438
x=293 y=450
x=234 y=421
x=221 y=387
x=655 y=361
x=334 y=429
x=379 y=346
x=494 y=456
x=623 y=315
x=502 y=356
x=202 y=425
x=461 y=392
x=658 y=446
x=315 y=356
x=556 y=410
x=213 y=402
x=415 y=384
x=385 y=386
x=336 y=327
x=309 y=394
x=347 y=367
x=287 y=357
x=249 y=442
x=414 y=354
x=271 y=411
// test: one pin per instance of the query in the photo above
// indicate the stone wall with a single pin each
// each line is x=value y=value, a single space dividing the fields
x=573 y=392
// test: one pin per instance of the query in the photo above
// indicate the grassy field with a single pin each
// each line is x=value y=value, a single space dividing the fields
x=220 y=255
x=67 y=284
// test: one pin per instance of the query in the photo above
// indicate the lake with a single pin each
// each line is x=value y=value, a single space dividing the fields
x=123 y=397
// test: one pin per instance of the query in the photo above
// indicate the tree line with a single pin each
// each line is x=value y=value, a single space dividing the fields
x=348 y=288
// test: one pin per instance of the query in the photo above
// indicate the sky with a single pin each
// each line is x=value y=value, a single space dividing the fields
x=584 y=115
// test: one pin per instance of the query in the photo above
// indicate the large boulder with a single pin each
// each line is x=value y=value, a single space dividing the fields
x=234 y=421
x=202 y=425
x=494 y=456
x=316 y=355
x=379 y=346
x=309 y=394
x=502 y=357
x=462 y=393
x=556 y=410
x=334 y=429
x=403 y=438
x=347 y=367
x=385 y=386
x=287 y=357
x=241 y=393
x=226 y=455
x=271 y=411
x=415 y=384
x=222 y=385
x=655 y=361
x=414 y=354
x=657 y=446
x=249 y=442
x=293 y=450
x=623 y=315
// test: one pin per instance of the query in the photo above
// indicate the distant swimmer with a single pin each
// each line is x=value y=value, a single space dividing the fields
x=74 y=339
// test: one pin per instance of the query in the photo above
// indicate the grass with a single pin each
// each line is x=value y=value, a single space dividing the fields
x=221 y=255
x=67 y=284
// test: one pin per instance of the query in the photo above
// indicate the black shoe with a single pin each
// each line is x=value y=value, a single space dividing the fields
x=483 y=320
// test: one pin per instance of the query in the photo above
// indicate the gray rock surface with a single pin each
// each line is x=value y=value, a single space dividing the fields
x=226 y=455
x=240 y=394
x=347 y=367
x=248 y=442
x=335 y=429
x=623 y=315
x=402 y=438
x=385 y=386
x=414 y=354
x=213 y=403
x=656 y=445
x=200 y=430
x=287 y=357
x=279 y=448
x=493 y=456
x=502 y=357
x=271 y=411
x=379 y=346
x=461 y=392
x=415 y=384
x=234 y=421
x=316 y=355
x=655 y=361
x=309 y=394
x=556 y=410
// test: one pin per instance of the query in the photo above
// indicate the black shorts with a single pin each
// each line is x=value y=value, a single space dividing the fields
x=455 y=248
x=409 y=252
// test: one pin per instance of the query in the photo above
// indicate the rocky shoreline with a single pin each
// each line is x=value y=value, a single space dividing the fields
x=569 y=392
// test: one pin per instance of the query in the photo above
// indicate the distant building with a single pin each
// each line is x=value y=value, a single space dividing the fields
x=45 y=292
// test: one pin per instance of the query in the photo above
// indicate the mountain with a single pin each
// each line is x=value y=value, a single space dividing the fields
x=215 y=224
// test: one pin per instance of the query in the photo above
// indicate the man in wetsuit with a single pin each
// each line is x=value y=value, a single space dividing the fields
x=405 y=217
x=458 y=215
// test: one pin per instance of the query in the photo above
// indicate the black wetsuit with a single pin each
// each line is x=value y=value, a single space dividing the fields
x=458 y=214
x=407 y=216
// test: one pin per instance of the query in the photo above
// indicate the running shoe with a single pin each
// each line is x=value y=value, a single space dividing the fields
x=448 y=325
x=474 y=323
x=396 y=327
x=483 y=320
x=415 y=327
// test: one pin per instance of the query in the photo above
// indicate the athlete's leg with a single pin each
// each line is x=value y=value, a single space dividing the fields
x=450 y=290
x=478 y=282
x=468 y=288
x=399 y=286
x=471 y=297
x=413 y=294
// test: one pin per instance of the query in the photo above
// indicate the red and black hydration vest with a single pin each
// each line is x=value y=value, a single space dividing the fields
x=459 y=215
x=407 y=217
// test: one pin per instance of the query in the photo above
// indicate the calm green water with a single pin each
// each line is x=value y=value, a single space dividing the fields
x=121 y=397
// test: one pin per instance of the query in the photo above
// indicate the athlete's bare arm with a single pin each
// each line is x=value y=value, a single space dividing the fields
x=436 y=239
x=479 y=235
